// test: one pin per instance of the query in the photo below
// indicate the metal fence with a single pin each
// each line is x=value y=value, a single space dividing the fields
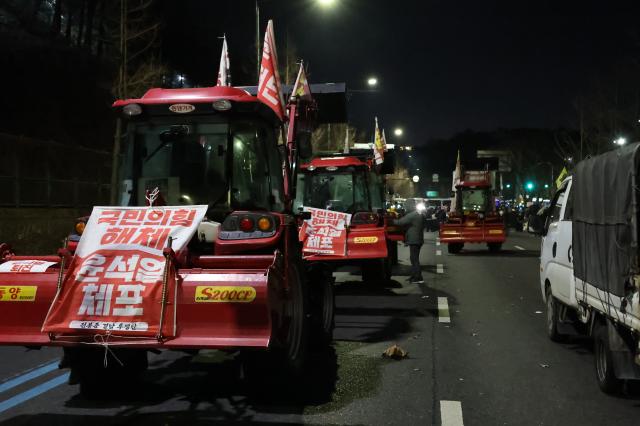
x=35 y=173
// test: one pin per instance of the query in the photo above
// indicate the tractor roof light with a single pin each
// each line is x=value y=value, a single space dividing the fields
x=222 y=105
x=132 y=110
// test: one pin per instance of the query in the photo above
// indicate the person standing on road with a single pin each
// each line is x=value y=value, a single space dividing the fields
x=414 y=238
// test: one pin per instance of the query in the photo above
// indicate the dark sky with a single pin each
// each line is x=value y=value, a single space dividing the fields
x=444 y=65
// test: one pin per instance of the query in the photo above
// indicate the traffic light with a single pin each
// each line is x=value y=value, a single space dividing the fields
x=546 y=185
x=508 y=185
x=529 y=186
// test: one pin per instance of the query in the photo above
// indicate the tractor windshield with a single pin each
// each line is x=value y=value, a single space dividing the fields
x=344 y=191
x=225 y=165
x=475 y=200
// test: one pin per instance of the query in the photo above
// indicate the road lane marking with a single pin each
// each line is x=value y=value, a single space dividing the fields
x=438 y=252
x=451 y=413
x=33 y=392
x=443 y=310
x=28 y=376
x=437 y=242
x=440 y=268
x=519 y=248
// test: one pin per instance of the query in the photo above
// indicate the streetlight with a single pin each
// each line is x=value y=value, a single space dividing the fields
x=415 y=178
x=326 y=3
x=372 y=82
x=398 y=131
x=620 y=141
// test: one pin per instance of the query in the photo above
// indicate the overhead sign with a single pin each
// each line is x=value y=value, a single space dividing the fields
x=115 y=280
x=325 y=233
x=435 y=178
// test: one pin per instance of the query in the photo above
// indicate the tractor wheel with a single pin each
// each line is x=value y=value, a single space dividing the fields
x=285 y=359
x=392 y=249
x=297 y=313
x=322 y=300
x=111 y=382
x=454 y=248
x=376 y=272
x=494 y=247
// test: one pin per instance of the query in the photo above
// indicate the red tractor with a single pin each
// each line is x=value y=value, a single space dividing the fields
x=350 y=184
x=473 y=217
x=218 y=147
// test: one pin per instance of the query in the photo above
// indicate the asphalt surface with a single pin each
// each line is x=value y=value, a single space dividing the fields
x=477 y=355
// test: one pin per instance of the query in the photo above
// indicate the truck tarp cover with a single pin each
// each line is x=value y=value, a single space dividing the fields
x=604 y=240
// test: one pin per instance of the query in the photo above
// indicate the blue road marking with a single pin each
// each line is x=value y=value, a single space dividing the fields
x=28 y=376
x=33 y=392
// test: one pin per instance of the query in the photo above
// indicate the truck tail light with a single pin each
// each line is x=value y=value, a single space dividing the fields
x=365 y=218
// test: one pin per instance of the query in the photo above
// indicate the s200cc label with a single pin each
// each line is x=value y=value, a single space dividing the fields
x=224 y=294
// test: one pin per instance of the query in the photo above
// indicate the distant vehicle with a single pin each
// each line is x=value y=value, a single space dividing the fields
x=350 y=184
x=589 y=262
x=474 y=218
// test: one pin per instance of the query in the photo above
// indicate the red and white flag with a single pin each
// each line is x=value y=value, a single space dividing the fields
x=301 y=89
x=378 y=148
x=269 y=87
x=224 y=73
x=384 y=141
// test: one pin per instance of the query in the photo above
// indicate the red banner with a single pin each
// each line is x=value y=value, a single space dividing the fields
x=114 y=282
x=269 y=90
x=325 y=233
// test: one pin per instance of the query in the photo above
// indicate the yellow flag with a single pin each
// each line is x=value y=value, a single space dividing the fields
x=563 y=174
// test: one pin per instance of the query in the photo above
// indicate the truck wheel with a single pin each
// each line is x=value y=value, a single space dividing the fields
x=454 y=248
x=553 y=316
x=322 y=308
x=605 y=374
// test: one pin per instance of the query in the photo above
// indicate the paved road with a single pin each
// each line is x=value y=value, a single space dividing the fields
x=478 y=355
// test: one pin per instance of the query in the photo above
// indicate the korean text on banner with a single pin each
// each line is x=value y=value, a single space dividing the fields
x=325 y=233
x=114 y=282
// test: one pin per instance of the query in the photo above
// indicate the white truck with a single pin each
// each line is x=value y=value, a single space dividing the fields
x=589 y=269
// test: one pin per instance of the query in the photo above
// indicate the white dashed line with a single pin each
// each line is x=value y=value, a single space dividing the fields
x=438 y=252
x=451 y=413
x=440 y=268
x=443 y=310
x=520 y=248
x=437 y=242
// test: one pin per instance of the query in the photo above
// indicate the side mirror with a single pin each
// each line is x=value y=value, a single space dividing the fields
x=305 y=150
